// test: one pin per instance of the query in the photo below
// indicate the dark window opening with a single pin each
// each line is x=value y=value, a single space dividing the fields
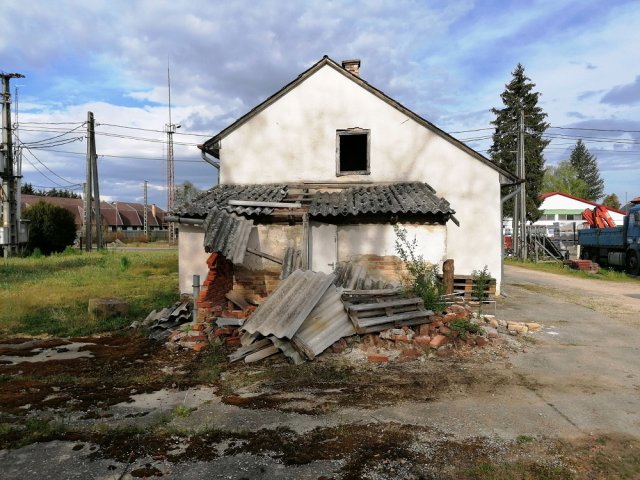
x=353 y=153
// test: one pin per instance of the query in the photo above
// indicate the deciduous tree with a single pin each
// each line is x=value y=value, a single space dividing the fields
x=563 y=178
x=612 y=201
x=52 y=228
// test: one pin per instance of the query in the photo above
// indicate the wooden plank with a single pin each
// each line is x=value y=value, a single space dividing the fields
x=385 y=304
x=237 y=299
x=384 y=326
x=394 y=318
x=376 y=292
x=247 y=349
x=264 y=353
x=265 y=255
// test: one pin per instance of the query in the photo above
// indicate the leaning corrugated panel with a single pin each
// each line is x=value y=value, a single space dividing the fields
x=326 y=324
x=288 y=306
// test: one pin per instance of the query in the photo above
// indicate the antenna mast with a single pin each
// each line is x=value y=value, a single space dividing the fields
x=170 y=128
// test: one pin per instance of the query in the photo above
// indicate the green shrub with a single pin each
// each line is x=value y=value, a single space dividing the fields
x=464 y=326
x=481 y=281
x=52 y=228
x=421 y=277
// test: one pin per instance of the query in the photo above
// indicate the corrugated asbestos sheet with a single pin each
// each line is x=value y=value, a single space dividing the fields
x=284 y=310
x=227 y=233
x=217 y=197
x=326 y=324
x=415 y=197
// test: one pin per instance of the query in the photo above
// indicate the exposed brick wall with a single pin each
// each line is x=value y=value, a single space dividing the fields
x=256 y=282
x=218 y=283
x=384 y=267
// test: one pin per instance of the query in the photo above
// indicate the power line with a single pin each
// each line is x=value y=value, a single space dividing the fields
x=159 y=159
x=40 y=162
x=151 y=130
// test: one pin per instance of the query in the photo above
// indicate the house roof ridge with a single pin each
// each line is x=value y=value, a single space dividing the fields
x=210 y=145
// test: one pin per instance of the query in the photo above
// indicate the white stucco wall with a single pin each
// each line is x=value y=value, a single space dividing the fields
x=294 y=140
x=193 y=258
x=378 y=239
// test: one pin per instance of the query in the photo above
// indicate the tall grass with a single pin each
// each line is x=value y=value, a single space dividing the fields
x=609 y=274
x=51 y=294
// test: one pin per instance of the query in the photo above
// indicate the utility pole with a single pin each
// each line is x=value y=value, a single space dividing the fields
x=523 y=190
x=96 y=183
x=88 y=217
x=145 y=215
x=9 y=232
x=92 y=189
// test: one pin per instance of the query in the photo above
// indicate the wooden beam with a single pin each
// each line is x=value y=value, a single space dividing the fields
x=265 y=255
x=251 y=203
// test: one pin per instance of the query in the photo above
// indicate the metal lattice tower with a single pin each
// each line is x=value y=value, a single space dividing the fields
x=171 y=187
x=171 y=178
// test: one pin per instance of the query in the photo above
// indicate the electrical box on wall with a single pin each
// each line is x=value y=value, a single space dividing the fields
x=4 y=235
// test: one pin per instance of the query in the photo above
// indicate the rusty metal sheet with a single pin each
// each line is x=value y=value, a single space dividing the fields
x=289 y=305
x=326 y=324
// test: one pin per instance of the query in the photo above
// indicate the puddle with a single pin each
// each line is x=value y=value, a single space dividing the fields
x=68 y=351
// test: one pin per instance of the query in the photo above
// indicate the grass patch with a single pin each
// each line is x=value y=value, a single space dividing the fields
x=518 y=470
x=182 y=411
x=50 y=294
x=211 y=364
x=607 y=274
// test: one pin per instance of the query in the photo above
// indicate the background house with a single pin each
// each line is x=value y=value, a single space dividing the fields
x=563 y=211
x=358 y=162
x=126 y=218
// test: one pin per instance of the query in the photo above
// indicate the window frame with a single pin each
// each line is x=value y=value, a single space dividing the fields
x=353 y=131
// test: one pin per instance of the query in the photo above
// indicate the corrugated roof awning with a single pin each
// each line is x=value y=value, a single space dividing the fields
x=392 y=198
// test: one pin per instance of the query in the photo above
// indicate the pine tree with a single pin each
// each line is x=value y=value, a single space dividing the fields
x=519 y=95
x=586 y=166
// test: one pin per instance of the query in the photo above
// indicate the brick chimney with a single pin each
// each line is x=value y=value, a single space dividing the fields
x=352 y=66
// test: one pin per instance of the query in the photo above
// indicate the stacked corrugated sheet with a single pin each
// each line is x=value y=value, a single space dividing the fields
x=301 y=319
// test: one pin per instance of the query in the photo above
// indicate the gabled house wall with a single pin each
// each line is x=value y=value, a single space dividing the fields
x=293 y=140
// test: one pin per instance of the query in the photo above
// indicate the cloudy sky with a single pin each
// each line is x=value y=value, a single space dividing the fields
x=446 y=60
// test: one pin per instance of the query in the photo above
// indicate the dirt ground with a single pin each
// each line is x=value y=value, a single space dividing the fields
x=561 y=403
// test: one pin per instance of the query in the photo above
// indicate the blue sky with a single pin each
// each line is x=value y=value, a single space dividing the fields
x=446 y=60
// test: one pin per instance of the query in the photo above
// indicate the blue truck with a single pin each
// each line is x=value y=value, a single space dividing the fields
x=616 y=246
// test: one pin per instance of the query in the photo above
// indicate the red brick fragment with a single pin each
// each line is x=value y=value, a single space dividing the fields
x=437 y=341
x=377 y=358
x=199 y=346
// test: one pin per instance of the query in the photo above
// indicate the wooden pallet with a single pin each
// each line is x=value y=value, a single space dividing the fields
x=464 y=286
x=376 y=312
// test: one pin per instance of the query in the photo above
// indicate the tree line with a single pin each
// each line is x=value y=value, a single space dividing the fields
x=28 y=189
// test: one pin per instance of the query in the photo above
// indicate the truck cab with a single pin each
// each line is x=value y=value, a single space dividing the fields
x=632 y=222
x=615 y=246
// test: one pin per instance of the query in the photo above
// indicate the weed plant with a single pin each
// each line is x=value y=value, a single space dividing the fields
x=481 y=281
x=419 y=277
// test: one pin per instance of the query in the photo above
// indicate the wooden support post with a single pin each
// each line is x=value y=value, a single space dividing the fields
x=447 y=276
x=305 y=241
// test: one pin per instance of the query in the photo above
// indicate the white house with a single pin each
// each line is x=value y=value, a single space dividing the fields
x=349 y=163
x=562 y=211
